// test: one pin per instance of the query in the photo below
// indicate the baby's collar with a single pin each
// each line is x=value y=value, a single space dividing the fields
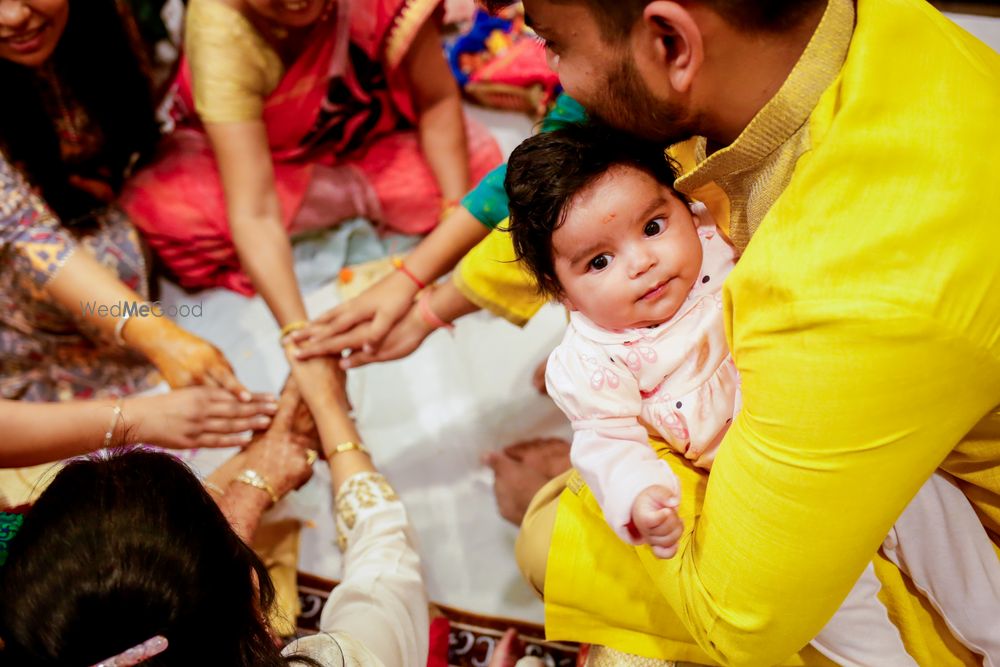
x=598 y=334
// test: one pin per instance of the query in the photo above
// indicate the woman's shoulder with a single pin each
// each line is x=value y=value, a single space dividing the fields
x=385 y=29
x=232 y=66
x=216 y=23
x=212 y=9
x=17 y=200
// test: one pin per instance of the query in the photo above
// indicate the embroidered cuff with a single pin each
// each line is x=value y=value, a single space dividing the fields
x=359 y=496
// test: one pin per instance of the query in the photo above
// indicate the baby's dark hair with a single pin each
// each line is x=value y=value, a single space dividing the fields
x=121 y=548
x=548 y=170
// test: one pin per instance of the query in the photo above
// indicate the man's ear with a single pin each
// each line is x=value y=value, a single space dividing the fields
x=676 y=41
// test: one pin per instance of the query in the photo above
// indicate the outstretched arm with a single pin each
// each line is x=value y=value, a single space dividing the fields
x=365 y=321
x=181 y=357
x=40 y=247
x=185 y=418
x=265 y=252
x=440 y=125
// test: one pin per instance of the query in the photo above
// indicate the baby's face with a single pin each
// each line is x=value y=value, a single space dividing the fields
x=628 y=252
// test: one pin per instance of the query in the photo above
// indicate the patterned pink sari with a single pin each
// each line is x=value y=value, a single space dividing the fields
x=341 y=129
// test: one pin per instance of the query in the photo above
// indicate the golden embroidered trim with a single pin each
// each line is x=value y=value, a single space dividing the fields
x=406 y=26
x=363 y=491
x=601 y=656
x=575 y=482
x=756 y=168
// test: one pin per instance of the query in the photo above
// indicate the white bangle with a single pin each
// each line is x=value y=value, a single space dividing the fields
x=116 y=414
x=120 y=326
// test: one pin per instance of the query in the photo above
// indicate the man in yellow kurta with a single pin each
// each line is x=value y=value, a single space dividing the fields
x=852 y=148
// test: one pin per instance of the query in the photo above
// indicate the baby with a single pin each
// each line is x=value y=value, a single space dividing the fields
x=596 y=221
x=641 y=273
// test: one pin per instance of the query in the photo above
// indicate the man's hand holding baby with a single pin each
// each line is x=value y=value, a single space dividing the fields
x=655 y=521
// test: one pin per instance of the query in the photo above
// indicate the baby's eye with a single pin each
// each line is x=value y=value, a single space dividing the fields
x=653 y=227
x=600 y=262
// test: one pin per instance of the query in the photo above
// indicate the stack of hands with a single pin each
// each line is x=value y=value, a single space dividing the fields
x=209 y=407
x=381 y=324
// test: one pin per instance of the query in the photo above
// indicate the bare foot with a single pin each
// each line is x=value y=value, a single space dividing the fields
x=522 y=469
x=538 y=378
x=550 y=456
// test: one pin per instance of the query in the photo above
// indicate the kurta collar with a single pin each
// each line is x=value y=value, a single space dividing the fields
x=789 y=109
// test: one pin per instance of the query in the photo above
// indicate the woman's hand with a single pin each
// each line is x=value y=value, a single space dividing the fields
x=281 y=456
x=321 y=382
x=196 y=417
x=361 y=323
x=402 y=340
x=181 y=357
x=282 y=459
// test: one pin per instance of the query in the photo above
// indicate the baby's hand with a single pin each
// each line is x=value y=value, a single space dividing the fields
x=654 y=516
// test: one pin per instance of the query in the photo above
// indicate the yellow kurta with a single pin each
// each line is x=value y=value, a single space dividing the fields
x=864 y=318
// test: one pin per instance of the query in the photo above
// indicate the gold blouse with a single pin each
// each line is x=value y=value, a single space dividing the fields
x=233 y=69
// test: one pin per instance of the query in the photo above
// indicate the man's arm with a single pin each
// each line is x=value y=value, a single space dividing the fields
x=848 y=408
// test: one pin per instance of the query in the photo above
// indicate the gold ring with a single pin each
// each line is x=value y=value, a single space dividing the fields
x=311 y=457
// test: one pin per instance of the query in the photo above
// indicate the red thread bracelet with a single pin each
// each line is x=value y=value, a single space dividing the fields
x=429 y=316
x=398 y=263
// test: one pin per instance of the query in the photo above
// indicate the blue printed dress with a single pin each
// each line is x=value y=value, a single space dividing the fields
x=46 y=352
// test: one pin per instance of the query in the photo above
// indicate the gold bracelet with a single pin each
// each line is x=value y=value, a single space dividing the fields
x=348 y=446
x=297 y=325
x=253 y=478
x=116 y=413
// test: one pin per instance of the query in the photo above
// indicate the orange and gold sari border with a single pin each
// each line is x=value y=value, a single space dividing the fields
x=404 y=30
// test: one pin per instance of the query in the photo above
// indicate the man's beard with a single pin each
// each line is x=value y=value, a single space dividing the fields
x=629 y=105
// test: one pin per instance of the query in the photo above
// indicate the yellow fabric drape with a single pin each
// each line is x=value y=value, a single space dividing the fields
x=491 y=277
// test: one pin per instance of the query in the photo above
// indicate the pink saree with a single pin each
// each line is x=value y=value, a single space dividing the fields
x=341 y=129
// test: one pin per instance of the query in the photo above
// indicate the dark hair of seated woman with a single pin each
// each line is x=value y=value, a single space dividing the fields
x=97 y=64
x=123 y=548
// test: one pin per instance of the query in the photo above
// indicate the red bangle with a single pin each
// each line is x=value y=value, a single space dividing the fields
x=398 y=263
x=429 y=316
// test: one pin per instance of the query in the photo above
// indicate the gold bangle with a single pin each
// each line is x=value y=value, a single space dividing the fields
x=253 y=478
x=348 y=446
x=297 y=325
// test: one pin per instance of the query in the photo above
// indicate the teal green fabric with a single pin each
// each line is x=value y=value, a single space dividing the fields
x=488 y=201
x=566 y=111
x=9 y=525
